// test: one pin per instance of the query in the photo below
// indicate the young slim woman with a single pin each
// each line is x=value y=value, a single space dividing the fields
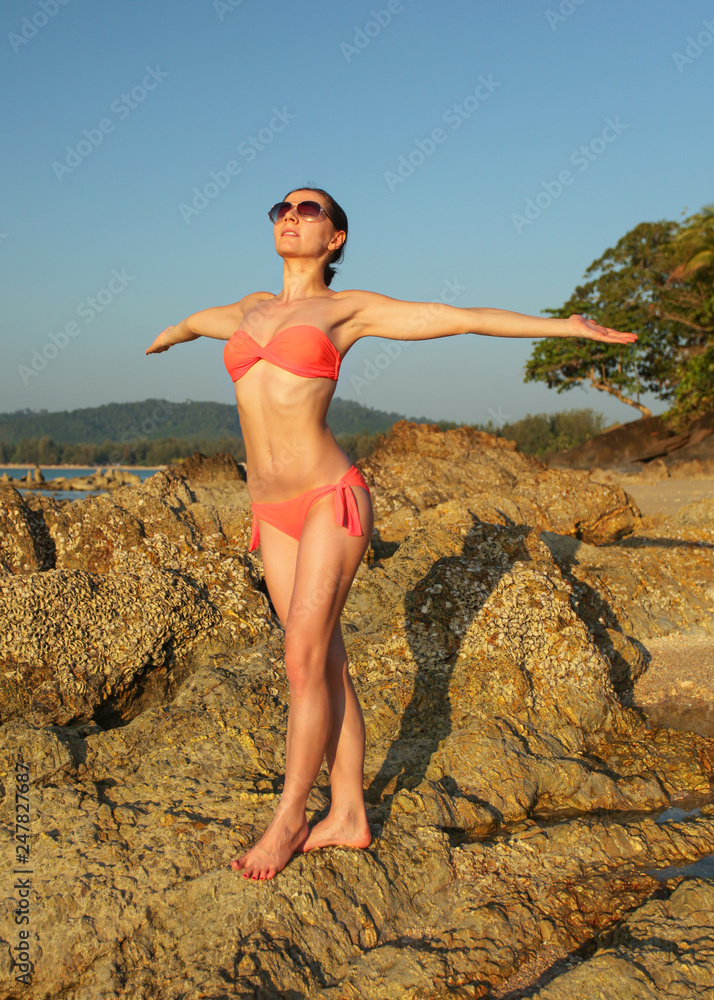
x=311 y=508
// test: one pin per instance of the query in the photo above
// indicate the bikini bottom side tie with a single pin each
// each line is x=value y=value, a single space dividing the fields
x=289 y=516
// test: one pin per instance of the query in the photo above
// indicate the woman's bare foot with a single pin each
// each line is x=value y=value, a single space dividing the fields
x=273 y=851
x=335 y=831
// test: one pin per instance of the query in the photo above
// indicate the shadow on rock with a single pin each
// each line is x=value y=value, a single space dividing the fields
x=611 y=632
x=438 y=612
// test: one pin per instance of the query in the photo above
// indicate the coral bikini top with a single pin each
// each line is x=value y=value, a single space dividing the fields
x=301 y=349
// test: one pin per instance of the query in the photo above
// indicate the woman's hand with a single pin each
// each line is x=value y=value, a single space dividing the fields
x=580 y=326
x=162 y=342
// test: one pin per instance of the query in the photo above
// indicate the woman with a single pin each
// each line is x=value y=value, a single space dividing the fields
x=311 y=509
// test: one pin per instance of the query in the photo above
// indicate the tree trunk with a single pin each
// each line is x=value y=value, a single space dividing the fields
x=614 y=391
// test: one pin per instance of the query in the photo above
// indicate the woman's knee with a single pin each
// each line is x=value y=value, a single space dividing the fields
x=305 y=658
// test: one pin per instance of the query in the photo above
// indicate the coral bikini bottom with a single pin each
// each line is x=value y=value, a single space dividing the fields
x=289 y=515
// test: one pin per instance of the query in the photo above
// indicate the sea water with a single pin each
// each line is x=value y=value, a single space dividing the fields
x=59 y=472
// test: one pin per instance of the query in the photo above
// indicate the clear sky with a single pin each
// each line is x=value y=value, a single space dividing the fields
x=117 y=115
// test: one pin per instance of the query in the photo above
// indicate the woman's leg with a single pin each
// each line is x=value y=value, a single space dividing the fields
x=346 y=824
x=326 y=562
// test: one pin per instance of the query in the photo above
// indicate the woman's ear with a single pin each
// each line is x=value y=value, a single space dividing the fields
x=337 y=240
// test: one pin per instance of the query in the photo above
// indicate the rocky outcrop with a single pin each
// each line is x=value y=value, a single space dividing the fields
x=513 y=794
x=419 y=467
x=663 y=949
x=641 y=441
x=213 y=469
x=25 y=544
x=111 y=479
x=104 y=600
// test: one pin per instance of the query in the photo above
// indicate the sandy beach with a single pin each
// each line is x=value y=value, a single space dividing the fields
x=677 y=689
x=668 y=495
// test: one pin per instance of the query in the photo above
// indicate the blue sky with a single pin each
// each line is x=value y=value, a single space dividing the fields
x=155 y=98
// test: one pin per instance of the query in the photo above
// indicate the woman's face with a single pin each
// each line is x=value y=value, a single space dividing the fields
x=298 y=237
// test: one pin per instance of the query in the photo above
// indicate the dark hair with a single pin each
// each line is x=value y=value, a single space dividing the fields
x=337 y=217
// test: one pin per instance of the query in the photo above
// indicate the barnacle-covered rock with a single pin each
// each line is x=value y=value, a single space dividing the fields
x=419 y=467
x=112 y=598
x=493 y=645
x=25 y=545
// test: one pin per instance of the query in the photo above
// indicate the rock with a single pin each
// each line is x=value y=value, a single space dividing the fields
x=664 y=949
x=25 y=544
x=489 y=657
x=99 y=481
x=123 y=477
x=128 y=586
x=418 y=467
x=216 y=468
x=641 y=441
x=144 y=819
x=657 y=580
x=37 y=477
x=654 y=472
x=616 y=447
x=493 y=651
x=570 y=503
x=80 y=483
x=104 y=635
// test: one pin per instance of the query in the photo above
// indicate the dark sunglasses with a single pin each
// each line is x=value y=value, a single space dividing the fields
x=310 y=211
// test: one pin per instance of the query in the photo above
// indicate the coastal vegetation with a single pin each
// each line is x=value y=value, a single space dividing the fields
x=358 y=429
x=158 y=419
x=658 y=282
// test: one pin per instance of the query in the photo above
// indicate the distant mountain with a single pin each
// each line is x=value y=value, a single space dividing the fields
x=156 y=419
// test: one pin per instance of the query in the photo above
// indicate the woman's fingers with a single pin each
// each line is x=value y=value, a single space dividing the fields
x=159 y=344
x=583 y=327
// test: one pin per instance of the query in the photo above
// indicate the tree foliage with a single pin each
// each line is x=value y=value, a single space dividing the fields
x=656 y=282
x=534 y=435
x=545 y=432
x=131 y=424
x=696 y=243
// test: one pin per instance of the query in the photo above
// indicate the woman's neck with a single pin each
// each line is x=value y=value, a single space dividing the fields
x=302 y=280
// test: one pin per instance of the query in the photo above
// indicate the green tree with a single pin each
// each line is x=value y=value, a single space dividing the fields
x=695 y=393
x=695 y=241
x=634 y=286
x=361 y=444
x=545 y=432
x=48 y=453
x=694 y=277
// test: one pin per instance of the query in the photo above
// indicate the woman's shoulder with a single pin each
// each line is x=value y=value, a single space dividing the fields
x=350 y=300
x=352 y=303
x=255 y=298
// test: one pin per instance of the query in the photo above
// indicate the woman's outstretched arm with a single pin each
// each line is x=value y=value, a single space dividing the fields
x=219 y=322
x=377 y=315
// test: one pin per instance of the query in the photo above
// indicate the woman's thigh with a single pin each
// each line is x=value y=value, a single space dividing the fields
x=308 y=581
x=327 y=560
x=279 y=552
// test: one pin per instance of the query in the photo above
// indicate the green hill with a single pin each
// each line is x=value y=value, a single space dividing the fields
x=157 y=432
x=158 y=419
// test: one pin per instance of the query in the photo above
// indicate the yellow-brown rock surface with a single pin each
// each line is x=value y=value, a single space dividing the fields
x=495 y=631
